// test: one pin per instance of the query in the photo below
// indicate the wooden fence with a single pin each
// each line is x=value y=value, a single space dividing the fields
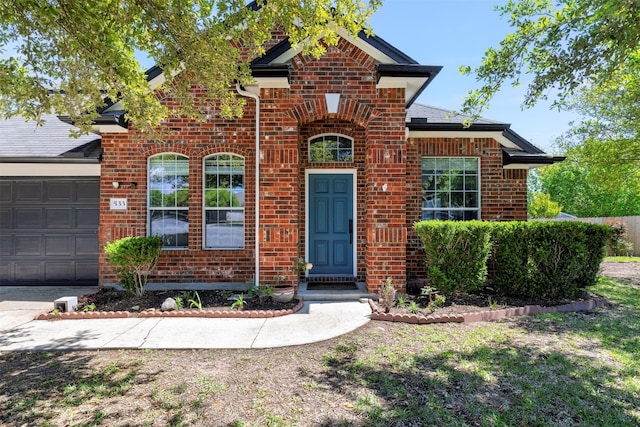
x=632 y=223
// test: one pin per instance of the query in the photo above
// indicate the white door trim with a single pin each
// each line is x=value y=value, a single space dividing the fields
x=354 y=173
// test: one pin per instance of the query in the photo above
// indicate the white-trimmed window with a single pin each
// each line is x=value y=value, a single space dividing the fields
x=330 y=149
x=450 y=188
x=224 y=202
x=168 y=199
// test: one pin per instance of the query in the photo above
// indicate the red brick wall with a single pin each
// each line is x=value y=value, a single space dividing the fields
x=503 y=192
x=289 y=117
x=388 y=175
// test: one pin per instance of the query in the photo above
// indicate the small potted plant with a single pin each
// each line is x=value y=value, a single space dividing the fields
x=282 y=292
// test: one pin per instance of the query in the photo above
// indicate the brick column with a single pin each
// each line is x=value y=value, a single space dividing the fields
x=385 y=175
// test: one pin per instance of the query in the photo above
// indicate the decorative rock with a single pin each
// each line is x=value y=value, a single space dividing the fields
x=169 y=305
x=135 y=308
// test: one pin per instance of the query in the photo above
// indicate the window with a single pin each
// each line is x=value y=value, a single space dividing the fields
x=224 y=202
x=330 y=149
x=169 y=199
x=450 y=188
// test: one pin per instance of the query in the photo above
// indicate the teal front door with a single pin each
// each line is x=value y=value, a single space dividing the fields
x=331 y=224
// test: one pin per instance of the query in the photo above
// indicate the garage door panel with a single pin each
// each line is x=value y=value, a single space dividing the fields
x=5 y=191
x=59 y=245
x=5 y=218
x=87 y=218
x=59 y=218
x=6 y=243
x=5 y=272
x=86 y=271
x=57 y=271
x=88 y=191
x=26 y=218
x=29 y=191
x=28 y=272
x=86 y=245
x=59 y=191
x=28 y=245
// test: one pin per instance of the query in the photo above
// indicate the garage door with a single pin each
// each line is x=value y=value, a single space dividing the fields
x=49 y=231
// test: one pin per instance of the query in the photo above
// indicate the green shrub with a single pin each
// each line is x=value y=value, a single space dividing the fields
x=134 y=258
x=547 y=260
x=456 y=253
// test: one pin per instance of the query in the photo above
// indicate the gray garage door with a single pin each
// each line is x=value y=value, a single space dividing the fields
x=49 y=231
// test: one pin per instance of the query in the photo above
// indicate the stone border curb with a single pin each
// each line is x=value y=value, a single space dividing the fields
x=483 y=316
x=211 y=314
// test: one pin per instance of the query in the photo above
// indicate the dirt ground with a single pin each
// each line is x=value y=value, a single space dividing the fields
x=322 y=384
x=627 y=271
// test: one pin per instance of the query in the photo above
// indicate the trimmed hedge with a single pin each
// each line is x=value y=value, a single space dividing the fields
x=456 y=253
x=548 y=260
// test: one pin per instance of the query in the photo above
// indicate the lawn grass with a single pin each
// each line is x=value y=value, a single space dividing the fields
x=622 y=259
x=561 y=369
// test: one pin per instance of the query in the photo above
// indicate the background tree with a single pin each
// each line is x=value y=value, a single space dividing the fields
x=66 y=56
x=562 y=46
x=541 y=206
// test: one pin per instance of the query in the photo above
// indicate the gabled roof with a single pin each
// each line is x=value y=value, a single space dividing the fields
x=394 y=68
x=517 y=152
x=22 y=140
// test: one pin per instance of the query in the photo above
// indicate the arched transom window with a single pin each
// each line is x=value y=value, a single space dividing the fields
x=330 y=149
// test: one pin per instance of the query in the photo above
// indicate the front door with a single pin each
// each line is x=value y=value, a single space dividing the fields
x=330 y=224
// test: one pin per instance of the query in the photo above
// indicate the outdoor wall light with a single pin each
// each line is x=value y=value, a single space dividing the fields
x=118 y=184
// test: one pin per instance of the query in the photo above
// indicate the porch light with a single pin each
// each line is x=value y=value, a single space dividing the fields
x=333 y=100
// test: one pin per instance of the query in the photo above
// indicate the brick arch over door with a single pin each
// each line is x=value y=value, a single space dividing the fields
x=349 y=110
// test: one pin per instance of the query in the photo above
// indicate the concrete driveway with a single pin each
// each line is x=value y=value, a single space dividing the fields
x=20 y=304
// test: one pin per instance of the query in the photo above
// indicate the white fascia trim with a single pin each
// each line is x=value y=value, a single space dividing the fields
x=463 y=134
x=271 y=83
x=356 y=41
x=100 y=129
x=524 y=166
x=49 y=169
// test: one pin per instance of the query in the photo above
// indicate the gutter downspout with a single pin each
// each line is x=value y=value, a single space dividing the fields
x=244 y=93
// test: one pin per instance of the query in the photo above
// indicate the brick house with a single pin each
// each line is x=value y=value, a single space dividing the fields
x=332 y=162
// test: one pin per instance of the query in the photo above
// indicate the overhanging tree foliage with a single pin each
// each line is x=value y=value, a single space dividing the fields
x=70 y=55
x=561 y=45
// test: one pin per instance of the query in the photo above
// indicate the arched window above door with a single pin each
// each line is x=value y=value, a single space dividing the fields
x=330 y=148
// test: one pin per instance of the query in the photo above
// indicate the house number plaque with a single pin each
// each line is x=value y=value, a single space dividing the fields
x=118 y=204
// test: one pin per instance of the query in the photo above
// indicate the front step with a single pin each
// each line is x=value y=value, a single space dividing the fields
x=334 y=295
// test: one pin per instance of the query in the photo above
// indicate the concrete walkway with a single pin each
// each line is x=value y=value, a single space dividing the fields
x=317 y=321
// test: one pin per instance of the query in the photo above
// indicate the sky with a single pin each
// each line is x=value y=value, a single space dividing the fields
x=451 y=33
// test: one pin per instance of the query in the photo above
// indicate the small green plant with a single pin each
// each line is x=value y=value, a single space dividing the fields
x=179 y=303
x=195 y=301
x=413 y=307
x=262 y=292
x=387 y=295
x=401 y=302
x=134 y=258
x=239 y=303
x=89 y=307
x=438 y=301
x=493 y=304
x=55 y=312
x=301 y=266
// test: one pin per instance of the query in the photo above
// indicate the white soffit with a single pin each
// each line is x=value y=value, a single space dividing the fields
x=411 y=84
x=498 y=136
